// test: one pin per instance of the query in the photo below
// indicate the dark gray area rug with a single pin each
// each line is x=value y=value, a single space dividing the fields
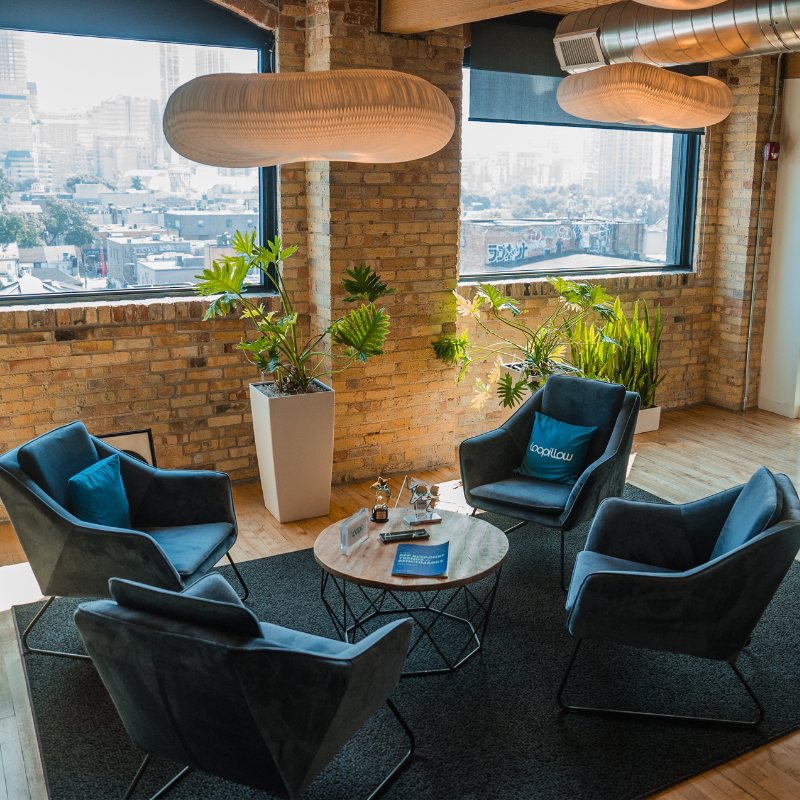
x=490 y=730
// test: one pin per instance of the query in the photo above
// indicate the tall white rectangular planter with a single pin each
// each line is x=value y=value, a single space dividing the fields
x=648 y=419
x=294 y=443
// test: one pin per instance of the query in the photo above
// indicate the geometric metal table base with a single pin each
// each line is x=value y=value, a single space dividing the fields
x=429 y=609
x=651 y=714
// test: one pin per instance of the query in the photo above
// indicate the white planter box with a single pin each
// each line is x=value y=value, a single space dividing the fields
x=648 y=419
x=294 y=443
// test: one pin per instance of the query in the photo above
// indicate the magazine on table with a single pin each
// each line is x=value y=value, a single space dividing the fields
x=420 y=560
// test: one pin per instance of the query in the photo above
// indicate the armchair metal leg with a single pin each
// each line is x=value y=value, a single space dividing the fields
x=516 y=527
x=164 y=789
x=390 y=778
x=26 y=648
x=239 y=576
x=620 y=712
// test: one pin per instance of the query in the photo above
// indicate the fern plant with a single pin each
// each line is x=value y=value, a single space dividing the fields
x=281 y=348
x=622 y=351
x=537 y=351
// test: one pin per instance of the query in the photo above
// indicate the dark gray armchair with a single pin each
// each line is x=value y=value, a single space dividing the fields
x=692 y=579
x=182 y=522
x=488 y=461
x=197 y=680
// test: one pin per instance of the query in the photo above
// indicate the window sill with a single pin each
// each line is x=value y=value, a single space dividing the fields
x=577 y=275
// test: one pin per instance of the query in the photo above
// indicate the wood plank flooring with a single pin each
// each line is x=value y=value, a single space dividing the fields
x=696 y=452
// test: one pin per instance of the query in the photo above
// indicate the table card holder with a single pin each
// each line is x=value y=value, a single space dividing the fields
x=354 y=530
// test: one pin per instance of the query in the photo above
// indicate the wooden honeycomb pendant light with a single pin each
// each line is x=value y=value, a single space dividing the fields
x=365 y=115
x=643 y=94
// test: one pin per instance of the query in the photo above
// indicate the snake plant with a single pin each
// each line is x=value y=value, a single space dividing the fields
x=621 y=351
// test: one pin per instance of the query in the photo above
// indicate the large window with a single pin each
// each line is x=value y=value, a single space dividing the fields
x=553 y=199
x=93 y=198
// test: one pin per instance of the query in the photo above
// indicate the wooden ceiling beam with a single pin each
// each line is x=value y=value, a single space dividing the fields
x=416 y=16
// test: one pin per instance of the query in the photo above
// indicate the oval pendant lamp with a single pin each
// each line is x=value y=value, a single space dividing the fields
x=643 y=94
x=366 y=115
x=680 y=5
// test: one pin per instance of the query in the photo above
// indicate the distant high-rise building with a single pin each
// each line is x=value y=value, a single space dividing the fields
x=210 y=60
x=170 y=72
x=13 y=61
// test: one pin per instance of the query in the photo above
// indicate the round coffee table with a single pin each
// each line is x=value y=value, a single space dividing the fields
x=360 y=587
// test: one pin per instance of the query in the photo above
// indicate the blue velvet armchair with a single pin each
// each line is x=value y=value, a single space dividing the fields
x=182 y=522
x=692 y=579
x=488 y=461
x=197 y=680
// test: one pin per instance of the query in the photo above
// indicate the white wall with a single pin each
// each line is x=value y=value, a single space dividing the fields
x=780 y=360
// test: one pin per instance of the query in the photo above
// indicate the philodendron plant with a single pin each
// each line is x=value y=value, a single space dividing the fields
x=534 y=351
x=281 y=349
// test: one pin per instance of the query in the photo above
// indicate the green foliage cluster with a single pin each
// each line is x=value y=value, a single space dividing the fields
x=67 y=219
x=24 y=229
x=73 y=180
x=537 y=351
x=621 y=351
x=280 y=348
x=525 y=201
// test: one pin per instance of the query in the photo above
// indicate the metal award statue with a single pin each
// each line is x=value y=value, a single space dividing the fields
x=423 y=501
x=380 y=511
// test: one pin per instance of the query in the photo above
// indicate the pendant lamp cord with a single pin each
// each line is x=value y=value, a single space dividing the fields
x=776 y=92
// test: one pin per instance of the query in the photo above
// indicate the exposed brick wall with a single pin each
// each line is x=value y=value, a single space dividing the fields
x=736 y=146
x=395 y=413
x=122 y=366
x=260 y=12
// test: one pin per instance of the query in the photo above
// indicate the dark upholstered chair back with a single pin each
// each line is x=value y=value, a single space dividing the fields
x=264 y=713
x=52 y=459
x=576 y=401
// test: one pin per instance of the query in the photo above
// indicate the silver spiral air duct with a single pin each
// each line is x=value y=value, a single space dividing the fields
x=628 y=31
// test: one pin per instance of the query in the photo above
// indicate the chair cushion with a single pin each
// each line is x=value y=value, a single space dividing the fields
x=188 y=546
x=550 y=498
x=585 y=402
x=556 y=450
x=758 y=506
x=588 y=562
x=52 y=459
x=197 y=605
x=97 y=495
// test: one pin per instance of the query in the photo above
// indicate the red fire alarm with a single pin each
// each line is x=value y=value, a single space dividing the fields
x=771 y=151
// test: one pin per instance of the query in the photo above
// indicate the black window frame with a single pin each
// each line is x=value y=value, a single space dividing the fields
x=191 y=22
x=683 y=199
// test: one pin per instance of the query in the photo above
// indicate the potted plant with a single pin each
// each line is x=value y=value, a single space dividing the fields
x=293 y=414
x=523 y=363
x=627 y=352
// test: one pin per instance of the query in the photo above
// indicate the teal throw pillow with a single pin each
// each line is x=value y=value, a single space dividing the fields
x=98 y=495
x=556 y=451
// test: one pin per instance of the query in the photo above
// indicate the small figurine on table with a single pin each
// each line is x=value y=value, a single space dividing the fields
x=380 y=511
x=423 y=501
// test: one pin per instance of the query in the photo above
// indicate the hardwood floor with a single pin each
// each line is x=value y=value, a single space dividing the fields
x=696 y=452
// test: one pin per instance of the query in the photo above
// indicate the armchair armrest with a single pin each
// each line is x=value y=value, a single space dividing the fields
x=185 y=497
x=94 y=554
x=214 y=587
x=606 y=476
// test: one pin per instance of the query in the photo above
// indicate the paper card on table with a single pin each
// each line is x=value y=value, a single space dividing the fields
x=419 y=560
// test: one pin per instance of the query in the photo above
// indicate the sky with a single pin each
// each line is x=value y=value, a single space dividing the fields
x=75 y=73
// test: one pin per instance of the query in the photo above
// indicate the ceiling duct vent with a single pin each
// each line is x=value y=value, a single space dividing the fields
x=579 y=50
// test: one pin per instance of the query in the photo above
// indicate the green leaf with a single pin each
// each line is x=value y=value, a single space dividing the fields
x=498 y=300
x=365 y=285
x=363 y=330
x=452 y=349
x=510 y=393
